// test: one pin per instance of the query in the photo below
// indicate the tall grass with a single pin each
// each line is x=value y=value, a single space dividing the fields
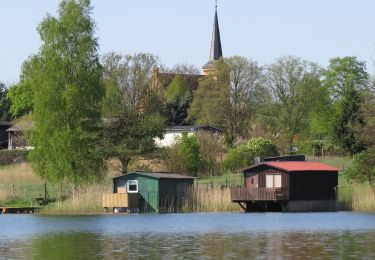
x=356 y=197
x=86 y=199
x=18 y=173
x=18 y=184
x=209 y=198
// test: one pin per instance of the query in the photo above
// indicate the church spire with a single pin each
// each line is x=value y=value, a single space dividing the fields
x=216 y=52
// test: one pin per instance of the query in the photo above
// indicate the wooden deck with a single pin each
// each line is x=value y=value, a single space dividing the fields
x=240 y=194
x=18 y=210
x=121 y=200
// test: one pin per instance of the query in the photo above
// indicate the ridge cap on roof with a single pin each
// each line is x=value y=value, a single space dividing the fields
x=275 y=164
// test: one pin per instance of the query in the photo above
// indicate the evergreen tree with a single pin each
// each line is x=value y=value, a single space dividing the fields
x=346 y=78
x=67 y=94
x=177 y=101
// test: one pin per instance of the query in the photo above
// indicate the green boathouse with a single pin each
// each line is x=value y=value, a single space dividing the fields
x=157 y=191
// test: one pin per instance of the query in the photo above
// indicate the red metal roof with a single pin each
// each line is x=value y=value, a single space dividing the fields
x=298 y=166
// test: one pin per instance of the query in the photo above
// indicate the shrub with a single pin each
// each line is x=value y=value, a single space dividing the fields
x=198 y=155
x=189 y=150
x=212 y=149
x=241 y=156
x=11 y=156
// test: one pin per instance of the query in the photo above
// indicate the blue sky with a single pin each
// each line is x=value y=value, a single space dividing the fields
x=180 y=31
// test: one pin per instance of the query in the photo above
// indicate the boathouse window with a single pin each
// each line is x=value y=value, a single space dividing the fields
x=273 y=181
x=132 y=186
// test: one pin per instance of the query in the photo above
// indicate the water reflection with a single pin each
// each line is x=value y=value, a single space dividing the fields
x=343 y=245
x=91 y=237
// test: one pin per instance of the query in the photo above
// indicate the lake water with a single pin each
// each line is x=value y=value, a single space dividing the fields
x=339 y=235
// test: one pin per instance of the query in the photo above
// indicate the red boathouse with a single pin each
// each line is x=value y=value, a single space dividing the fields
x=288 y=186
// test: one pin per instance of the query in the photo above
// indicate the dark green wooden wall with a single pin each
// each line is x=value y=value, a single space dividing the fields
x=157 y=195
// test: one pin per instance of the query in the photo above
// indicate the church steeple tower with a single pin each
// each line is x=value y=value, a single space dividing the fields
x=216 y=52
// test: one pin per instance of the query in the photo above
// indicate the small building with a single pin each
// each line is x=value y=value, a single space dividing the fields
x=172 y=133
x=3 y=134
x=155 y=191
x=288 y=186
x=18 y=135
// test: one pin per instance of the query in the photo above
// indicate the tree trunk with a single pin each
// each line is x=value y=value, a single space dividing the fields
x=124 y=165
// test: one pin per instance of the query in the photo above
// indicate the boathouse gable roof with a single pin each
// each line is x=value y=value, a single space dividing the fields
x=295 y=166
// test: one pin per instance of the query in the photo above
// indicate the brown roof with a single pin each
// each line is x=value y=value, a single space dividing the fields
x=191 y=80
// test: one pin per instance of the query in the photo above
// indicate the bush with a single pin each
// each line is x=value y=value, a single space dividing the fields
x=184 y=155
x=212 y=149
x=241 y=156
x=197 y=155
x=11 y=156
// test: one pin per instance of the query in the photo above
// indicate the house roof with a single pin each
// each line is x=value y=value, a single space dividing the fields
x=160 y=175
x=5 y=123
x=296 y=166
x=22 y=126
x=191 y=80
x=192 y=128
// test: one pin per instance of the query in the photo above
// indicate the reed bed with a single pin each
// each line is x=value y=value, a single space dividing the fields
x=18 y=173
x=356 y=197
x=209 y=198
x=86 y=200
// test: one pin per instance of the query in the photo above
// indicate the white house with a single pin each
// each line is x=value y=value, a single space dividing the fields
x=174 y=132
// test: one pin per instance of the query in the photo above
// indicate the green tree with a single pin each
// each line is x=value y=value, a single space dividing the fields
x=243 y=155
x=185 y=156
x=211 y=100
x=363 y=168
x=4 y=103
x=67 y=94
x=297 y=92
x=178 y=101
x=132 y=119
x=346 y=78
x=189 y=148
x=21 y=94
x=229 y=96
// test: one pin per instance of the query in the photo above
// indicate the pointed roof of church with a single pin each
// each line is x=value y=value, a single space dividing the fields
x=216 y=51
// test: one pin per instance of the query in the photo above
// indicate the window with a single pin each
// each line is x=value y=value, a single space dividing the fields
x=273 y=181
x=277 y=181
x=252 y=180
x=269 y=181
x=132 y=186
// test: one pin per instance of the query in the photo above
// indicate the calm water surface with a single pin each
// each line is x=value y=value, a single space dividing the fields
x=189 y=236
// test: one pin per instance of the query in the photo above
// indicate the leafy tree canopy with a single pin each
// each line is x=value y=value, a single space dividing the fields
x=347 y=79
x=363 y=168
x=242 y=155
x=297 y=93
x=4 y=103
x=178 y=101
x=132 y=119
x=67 y=91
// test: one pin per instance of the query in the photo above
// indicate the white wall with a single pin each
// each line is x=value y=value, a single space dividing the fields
x=169 y=139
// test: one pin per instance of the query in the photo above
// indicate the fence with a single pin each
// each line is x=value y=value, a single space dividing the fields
x=29 y=193
x=266 y=194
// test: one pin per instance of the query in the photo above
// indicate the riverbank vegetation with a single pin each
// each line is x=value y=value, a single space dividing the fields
x=19 y=186
x=90 y=109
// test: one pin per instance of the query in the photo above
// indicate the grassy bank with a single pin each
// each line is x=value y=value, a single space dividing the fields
x=19 y=186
